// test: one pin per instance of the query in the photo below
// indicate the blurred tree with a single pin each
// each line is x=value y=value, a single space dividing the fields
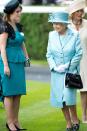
x=36 y=28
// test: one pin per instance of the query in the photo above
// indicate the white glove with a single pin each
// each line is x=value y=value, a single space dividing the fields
x=65 y=65
x=61 y=68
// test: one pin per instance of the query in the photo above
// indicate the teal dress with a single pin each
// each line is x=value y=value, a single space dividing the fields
x=15 y=84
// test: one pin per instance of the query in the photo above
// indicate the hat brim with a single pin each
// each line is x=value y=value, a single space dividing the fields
x=74 y=10
x=56 y=21
x=75 y=6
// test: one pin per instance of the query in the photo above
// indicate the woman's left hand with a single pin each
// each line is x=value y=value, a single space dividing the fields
x=60 y=69
x=6 y=70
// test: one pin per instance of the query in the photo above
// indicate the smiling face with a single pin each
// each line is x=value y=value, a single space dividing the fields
x=78 y=14
x=60 y=27
x=15 y=16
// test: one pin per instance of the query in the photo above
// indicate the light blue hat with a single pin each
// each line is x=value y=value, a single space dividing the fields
x=61 y=17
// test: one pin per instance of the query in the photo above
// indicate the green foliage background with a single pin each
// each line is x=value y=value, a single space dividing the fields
x=36 y=29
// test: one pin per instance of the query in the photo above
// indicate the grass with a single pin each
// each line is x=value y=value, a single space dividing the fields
x=36 y=113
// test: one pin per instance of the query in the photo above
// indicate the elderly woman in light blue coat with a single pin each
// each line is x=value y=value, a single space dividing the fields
x=63 y=47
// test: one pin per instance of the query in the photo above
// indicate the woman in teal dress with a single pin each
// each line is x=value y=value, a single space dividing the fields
x=13 y=57
x=1 y=97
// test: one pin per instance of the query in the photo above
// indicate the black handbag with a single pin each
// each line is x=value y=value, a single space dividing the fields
x=73 y=80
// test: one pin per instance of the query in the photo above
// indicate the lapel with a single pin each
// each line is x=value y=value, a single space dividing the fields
x=63 y=44
x=57 y=41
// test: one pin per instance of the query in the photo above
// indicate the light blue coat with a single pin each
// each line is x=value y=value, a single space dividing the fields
x=61 y=53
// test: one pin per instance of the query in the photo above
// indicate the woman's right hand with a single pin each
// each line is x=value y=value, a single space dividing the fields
x=6 y=70
x=59 y=69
